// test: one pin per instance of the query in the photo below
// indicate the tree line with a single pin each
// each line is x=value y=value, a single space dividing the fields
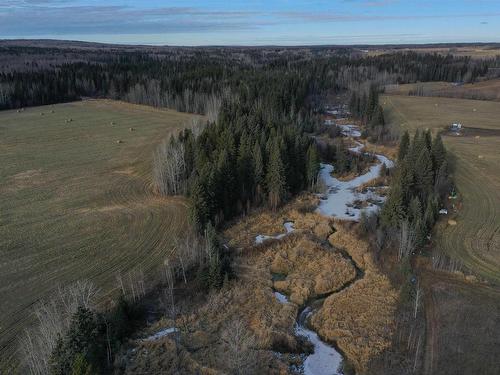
x=418 y=190
x=192 y=80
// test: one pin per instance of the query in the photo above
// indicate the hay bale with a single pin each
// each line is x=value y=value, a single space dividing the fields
x=480 y=157
x=18 y=111
x=131 y=129
x=41 y=113
x=477 y=137
x=112 y=123
x=474 y=110
x=52 y=111
x=452 y=222
x=119 y=141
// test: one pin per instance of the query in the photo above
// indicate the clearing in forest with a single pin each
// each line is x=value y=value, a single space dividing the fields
x=77 y=201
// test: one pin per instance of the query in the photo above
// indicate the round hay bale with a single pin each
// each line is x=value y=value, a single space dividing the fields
x=131 y=129
x=18 y=111
x=452 y=222
x=41 y=114
x=474 y=110
x=480 y=157
x=477 y=137
x=119 y=141
x=112 y=122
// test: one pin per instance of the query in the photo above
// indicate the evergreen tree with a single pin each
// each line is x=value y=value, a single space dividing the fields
x=404 y=144
x=199 y=205
x=438 y=154
x=424 y=176
x=81 y=340
x=393 y=211
x=258 y=172
x=275 y=178
x=313 y=165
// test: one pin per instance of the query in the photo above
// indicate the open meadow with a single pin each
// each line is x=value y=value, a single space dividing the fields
x=77 y=201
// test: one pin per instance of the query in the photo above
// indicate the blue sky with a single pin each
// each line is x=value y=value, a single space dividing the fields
x=253 y=22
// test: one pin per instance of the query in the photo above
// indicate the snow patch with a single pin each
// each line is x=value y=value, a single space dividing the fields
x=162 y=333
x=281 y=297
x=350 y=131
x=288 y=229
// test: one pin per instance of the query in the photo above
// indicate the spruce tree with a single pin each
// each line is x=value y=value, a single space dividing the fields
x=438 y=154
x=312 y=165
x=424 y=176
x=199 y=209
x=393 y=211
x=258 y=172
x=404 y=145
x=275 y=178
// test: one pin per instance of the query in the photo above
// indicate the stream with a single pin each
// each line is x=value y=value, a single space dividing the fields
x=338 y=201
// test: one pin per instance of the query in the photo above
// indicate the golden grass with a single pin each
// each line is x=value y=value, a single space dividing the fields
x=361 y=318
x=311 y=269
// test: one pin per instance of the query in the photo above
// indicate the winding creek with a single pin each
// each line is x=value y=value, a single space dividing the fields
x=338 y=201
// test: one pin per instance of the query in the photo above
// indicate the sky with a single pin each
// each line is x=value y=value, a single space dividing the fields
x=252 y=22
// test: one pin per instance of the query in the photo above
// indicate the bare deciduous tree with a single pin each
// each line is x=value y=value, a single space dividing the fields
x=239 y=348
x=407 y=239
x=53 y=319
x=169 y=168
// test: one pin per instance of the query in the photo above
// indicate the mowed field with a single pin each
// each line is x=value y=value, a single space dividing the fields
x=462 y=316
x=76 y=204
x=475 y=240
x=486 y=90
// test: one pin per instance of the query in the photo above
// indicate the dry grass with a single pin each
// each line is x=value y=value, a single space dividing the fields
x=361 y=318
x=311 y=269
x=76 y=205
x=485 y=90
x=463 y=325
x=475 y=52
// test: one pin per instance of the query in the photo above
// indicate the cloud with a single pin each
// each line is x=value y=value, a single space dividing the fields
x=116 y=19
x=336 y=17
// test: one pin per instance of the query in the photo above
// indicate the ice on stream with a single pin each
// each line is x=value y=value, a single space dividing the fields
x=162 y=333
x=325 y=360
x=350 y=131
x=288 y=229
x=281 y=297
x=341 y=195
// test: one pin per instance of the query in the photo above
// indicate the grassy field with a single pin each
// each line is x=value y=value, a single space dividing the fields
x=475 y=52
x=475 y=240
x=76 y=201
x=486 y=90
x=462 y=316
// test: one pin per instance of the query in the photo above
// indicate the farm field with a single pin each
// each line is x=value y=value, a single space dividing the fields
x=78 y=204
x=486 y=90
x=462 y=323
x=473 y=51
x=475 y=240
